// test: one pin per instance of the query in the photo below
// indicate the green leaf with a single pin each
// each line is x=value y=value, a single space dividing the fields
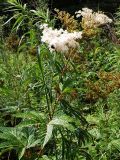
x=44 y=157
x=67 y=90
x=13 y=136
x=18 y=22
x=27 y=123
x=21 y=153
x=114 y=144
x=62 y=121
x=32 y=115
x=11 y=19
x=34 y=143
x=5 y=145
x=48 y=134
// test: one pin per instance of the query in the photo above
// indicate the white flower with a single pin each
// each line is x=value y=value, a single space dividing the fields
x=85 y=12
x=60 y=40
x=102 y=19
x=92 y=19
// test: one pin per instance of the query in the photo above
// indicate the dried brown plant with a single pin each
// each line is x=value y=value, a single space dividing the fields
x=12 y=42
x=68 y=21
x=107 y=83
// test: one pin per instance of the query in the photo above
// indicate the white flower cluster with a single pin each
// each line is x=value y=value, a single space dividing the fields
x=93 y=19
x=85 y=12
x=60 y=40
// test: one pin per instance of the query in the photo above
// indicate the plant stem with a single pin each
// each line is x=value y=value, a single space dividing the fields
x=44 y=82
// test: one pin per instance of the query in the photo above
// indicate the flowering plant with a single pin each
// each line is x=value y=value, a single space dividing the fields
x=92 y=19
x=60 y=40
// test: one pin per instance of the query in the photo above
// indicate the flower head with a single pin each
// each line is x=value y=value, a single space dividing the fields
x=92 y=19
x=60 y=40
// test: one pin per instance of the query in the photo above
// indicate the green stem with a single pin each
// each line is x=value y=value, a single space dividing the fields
x=44 y=82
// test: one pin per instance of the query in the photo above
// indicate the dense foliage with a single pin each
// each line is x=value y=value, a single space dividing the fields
x=55 y=105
